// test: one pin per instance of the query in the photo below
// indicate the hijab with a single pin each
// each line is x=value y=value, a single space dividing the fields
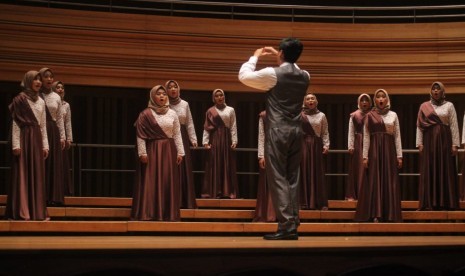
x=386 y=109
x=159 y=109
x=42 y=76
x=26 y=85
x=221 y=106
x=442 y=100
x=177 y=99
x=360 y=99
x=307 y=110
x=54 y=86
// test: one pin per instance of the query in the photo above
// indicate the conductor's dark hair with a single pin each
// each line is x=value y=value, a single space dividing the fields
x=292 y=48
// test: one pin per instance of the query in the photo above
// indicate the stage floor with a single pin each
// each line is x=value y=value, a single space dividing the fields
x=14 y=243
x=231 y=255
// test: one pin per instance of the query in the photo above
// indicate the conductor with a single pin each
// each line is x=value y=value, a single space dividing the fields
x=286 y=86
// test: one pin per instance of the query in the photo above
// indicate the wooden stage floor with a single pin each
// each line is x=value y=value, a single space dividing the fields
x=15 y=243
x=231 y=256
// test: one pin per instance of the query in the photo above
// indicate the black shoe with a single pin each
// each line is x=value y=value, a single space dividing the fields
x=282 y=235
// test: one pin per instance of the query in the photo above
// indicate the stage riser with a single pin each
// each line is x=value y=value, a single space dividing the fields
x=182 y=228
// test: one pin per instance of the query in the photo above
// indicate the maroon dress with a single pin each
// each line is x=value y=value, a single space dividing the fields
x=264 y=209
x=380 y=198
x=67 y=179
x=438 y=186
x=186 y=174
x=357 y=173
x=54 y=164
x=26 y=194
x=313 y=185
x=220 y=179
x=156 y=188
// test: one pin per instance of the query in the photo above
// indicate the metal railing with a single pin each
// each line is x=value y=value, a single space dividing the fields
x=78 y=170
x=272 y=12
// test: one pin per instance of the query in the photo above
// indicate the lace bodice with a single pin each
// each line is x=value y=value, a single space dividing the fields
x=53 y=102
x=169 y=123
x=38 y=108
x=67 y=121
x=228 y=116
x=356 y=121
x=391 y=122
x=446 y=112
x=320 y=126
x=185 y=118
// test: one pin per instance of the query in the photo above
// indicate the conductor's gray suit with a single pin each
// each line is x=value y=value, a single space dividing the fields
x=287 y=86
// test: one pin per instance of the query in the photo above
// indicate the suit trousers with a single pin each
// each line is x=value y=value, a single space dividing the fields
x=282 y=156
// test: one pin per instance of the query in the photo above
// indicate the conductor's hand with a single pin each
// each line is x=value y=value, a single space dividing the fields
x=179 y=159
x=261 y=163
x=265 y=51
x=144 y=159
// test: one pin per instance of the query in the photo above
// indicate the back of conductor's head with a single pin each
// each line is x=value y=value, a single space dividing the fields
x=292 y=48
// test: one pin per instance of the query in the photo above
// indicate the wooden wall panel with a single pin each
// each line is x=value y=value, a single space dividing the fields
x=124 y=50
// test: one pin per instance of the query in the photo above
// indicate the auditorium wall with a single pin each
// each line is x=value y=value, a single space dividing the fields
x=109 y=61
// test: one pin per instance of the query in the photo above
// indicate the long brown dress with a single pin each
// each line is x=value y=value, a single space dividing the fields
x=220 y=179
x=462 y=181
x=380 y=198
x=357 y=173
x=438 y=186
x=26 y=193
x=54 y=163
x=186 y=175
x=264 y=209
x=157 y=190
x=313 y=185
x=67 y=178
x=68 y=130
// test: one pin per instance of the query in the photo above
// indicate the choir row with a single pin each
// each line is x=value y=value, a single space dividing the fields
x=165 y=130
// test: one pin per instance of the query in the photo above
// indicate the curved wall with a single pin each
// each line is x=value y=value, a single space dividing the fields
x=127 y=50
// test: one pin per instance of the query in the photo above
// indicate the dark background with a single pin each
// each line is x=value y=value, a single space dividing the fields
x=105 y=115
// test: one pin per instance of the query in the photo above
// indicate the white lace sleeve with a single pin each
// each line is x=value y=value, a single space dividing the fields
x=190 y=126
x=351 y=134
x=419 y=141
x=261 y=139
x=16 y=134
x=205 y=137
x=177 y=136
x=43 y=126
x=366 y=141
x=233 y=127
x=325 y=132
x=398 y=141
x=60 y=121
x=454 y=126
x=67 y=122
x=141 y=147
